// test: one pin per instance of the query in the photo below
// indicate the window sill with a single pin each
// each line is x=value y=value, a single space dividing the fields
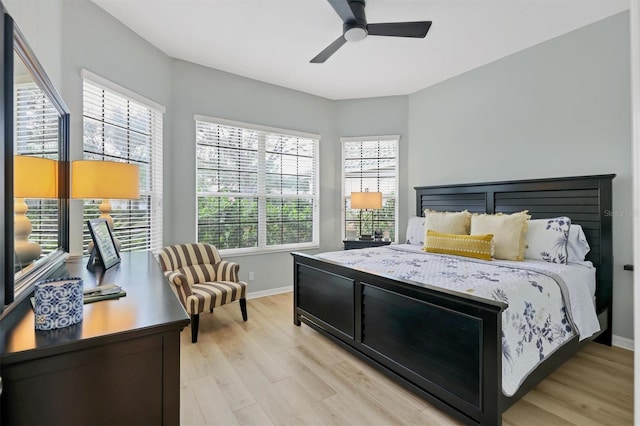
x=266 y=250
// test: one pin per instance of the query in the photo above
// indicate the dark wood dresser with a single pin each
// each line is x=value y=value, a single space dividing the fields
x=120 y=365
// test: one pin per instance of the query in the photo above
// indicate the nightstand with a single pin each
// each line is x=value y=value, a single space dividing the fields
x=358 y=244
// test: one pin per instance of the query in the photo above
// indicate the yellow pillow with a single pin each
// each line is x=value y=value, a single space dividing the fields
x=447 y=222
x=478 y=246
x=509 y=232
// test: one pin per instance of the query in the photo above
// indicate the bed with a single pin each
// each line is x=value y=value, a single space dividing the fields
x=409 y=330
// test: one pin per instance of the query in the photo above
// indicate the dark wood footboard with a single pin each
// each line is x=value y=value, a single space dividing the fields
x=443 y=345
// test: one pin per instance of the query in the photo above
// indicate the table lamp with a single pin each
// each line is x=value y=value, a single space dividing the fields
x=34 y=177
x=94 y=179
x=366 y=201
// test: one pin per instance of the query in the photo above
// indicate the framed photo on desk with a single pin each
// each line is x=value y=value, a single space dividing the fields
x=104 y=245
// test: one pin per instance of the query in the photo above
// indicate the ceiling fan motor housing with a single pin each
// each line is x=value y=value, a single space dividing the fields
x=356 y=29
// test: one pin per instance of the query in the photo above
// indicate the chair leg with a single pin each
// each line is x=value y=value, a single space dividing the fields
x=243 y=308
x=195 y=320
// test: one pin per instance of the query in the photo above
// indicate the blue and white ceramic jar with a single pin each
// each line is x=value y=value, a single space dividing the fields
x=58 y=303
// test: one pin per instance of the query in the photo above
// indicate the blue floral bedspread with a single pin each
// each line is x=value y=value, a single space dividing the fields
x=534 y=324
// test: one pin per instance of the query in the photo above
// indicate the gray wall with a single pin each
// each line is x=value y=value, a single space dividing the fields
x=68 y=35
x=557 y=109
x=40 y=22
x=93 y=40
x=561 y=108
x=204 y=91
x=376 y=117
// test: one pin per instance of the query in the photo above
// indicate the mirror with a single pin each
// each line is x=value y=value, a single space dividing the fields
x=36 y=169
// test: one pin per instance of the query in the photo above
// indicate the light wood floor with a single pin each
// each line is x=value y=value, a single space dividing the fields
x=269 y=372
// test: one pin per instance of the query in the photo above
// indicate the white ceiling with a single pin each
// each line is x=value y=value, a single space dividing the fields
x=273 y=40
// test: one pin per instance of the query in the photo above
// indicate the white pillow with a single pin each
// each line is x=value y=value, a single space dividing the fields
x=508 y=230
x=577 y=245
x=547 y=239
x=447 y=222
x=415 y=230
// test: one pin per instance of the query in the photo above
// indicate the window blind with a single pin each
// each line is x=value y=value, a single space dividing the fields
x=371 y=164
x=256 y=187
x=36 y=134
x=119 y=128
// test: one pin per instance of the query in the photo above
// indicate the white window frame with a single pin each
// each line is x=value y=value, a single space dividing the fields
x=155 y=193
x=262 y=194
x=345 y=197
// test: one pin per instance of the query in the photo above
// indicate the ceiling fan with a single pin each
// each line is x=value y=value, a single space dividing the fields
x=355 y=27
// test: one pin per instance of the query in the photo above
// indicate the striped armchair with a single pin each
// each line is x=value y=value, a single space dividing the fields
x=203 y=280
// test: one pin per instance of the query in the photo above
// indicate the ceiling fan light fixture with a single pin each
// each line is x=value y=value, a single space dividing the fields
x=355 y=34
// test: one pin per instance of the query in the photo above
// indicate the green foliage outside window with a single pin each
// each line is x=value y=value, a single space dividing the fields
x=232 y=222
x=228 y=222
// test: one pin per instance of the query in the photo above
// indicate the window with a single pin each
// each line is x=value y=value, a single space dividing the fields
x=370 y=164
x=257 y=187
x=36 y=134
x=120 y=125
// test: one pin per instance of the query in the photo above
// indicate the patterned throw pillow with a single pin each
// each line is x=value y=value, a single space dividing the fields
x=547 y=239
x=509 y=232
x=477 y=246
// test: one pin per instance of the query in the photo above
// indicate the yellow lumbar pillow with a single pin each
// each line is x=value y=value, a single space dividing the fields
x=477 y=246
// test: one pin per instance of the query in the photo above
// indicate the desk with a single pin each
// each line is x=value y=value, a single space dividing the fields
x=120 y=365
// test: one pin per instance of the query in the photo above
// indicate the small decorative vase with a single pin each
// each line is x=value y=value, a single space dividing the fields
x=58 y=303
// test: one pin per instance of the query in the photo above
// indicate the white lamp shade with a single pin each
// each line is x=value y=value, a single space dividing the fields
x=366 y=200
x=35 y=177
x=94 y=179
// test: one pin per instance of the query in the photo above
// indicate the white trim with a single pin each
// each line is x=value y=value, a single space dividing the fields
x=250 y=251
x=369 y=138
x=622 y=342
x=270 y=292
x=225 y=122
x=344 y=196
x=109 y=85
x=634 y=18
x=262 y=195
x=93 y=101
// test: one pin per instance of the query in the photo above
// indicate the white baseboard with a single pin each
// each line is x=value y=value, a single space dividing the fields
x=270 y=292
x=622 y=342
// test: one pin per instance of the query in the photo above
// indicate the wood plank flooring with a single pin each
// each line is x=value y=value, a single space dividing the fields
x=269 y=372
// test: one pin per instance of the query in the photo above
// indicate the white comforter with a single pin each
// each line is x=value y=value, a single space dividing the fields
x=547 y=303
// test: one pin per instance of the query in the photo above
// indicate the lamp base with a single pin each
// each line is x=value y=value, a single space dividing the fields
x=26 y=252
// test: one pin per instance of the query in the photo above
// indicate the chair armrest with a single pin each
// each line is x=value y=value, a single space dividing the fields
x=176 y=278
x=226 y=271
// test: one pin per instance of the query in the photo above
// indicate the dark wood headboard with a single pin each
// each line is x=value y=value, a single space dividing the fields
x=587 y=200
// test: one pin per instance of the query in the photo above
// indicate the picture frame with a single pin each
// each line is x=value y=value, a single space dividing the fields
x=104 y=250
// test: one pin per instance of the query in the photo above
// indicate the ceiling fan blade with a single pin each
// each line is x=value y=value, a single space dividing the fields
x=329 y=50
x=400 y=29
x=343 y=9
